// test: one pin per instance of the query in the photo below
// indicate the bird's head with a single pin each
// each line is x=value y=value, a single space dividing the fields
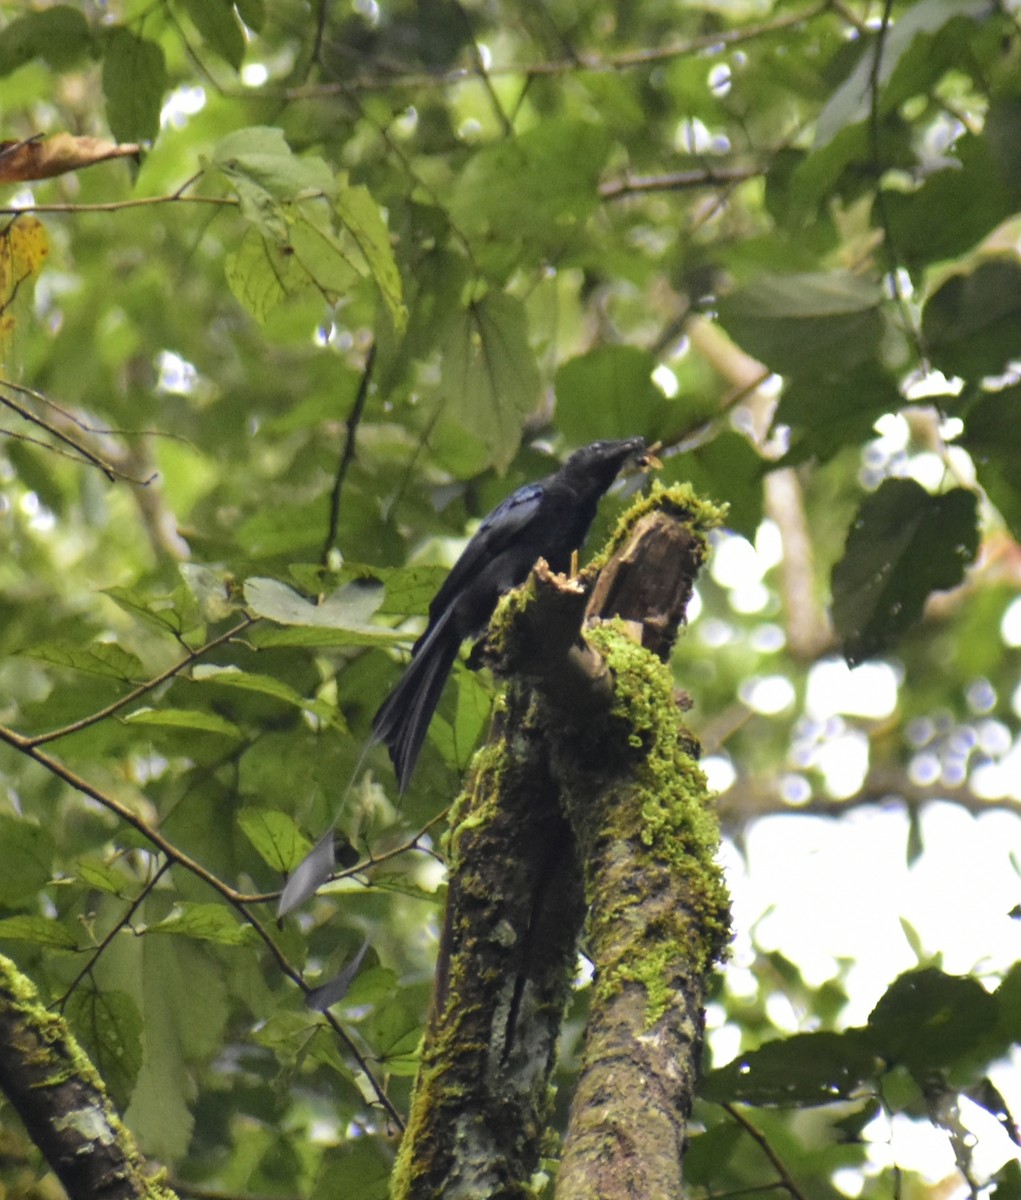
x=597 y=465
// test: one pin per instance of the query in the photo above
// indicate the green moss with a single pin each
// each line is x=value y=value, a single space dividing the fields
x=665 y=814
x=700 y=515
x=58 y=1052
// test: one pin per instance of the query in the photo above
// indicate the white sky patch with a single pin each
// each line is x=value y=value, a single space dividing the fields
x=254 y=74
x=719 y=772
x=182 y=103
x=932 y=383
x=768 y=694
x=666 y=381
x=926 y=468
x=843 y=763
x=894 y=433
x=1010 y=623
x=769 y=544
x=734 y=562
x=869 y=690
x=177 y=376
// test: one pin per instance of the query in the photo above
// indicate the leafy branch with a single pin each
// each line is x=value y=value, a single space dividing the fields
x=235 y=899
x=136 y=693
x=581 y=61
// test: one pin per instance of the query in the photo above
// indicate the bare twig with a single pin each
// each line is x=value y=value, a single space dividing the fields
x=785 y=1181
x=677 y=181
x=348 y=453
x=117 y=205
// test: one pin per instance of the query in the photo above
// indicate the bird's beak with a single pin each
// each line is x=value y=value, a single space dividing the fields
x=647 y=460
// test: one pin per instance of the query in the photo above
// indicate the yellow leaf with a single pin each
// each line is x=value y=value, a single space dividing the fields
x=24 y=247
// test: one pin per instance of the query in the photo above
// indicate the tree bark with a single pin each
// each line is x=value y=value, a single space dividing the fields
x=586 y=798
x=62 y=1102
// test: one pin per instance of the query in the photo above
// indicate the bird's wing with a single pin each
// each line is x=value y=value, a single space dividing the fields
x=497 y=531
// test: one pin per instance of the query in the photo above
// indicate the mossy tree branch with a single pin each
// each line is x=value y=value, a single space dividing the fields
x=61 y=1100
x=587 y=751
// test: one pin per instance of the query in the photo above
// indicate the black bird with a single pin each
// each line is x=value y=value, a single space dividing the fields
x=547 y=519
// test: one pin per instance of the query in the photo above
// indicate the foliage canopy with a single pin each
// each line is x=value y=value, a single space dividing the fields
x=292 y=294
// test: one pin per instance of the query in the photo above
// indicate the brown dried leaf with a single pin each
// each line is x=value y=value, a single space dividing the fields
x=42 y=158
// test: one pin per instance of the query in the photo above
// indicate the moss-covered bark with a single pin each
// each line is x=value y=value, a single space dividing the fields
x=61 y=1100
x=587 y=798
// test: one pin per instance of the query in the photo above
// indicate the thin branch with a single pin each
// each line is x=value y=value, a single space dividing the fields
x=677 y=181
x=138 y=692
x=26 y=746
x=481 y=71
x=178 y=857
x=97 y=952
x=785 y=1181
x=593 y=63
x=89 y=456
x=348 y=454
x=117 y=205
x=315 y=57
x=297 y=978
x=889 y=244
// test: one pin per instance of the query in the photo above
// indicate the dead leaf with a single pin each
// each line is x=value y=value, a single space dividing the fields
x=42 y=158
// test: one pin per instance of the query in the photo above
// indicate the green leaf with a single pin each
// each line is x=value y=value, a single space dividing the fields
x=540 y=185
x=361 y=217
x=331 y=265
x=26 y=858
x=95 y=874
x=806 y=323
x=264 y=685
x=184 y=718
x=105 y=659
x=41 y=931
x=992 y=436
x=829 y=411
x=916 y=50
x=727 y=465
x=207 y=922
x=1008 y=1182
x=808 y=1068
x=928 y=1021
x=609 y=393
x=407 y=590
x=360 y=1169
x=59 y=35
x=252 y=12
x=263 y=272
x=903 y=545
x=972 y=324
x=220 y=28
x=275 y=836
x=134 y=81
x=954 y=208
x=350 y=608
x=167 y=613
x=109 y=1026
x=489 y=375
x=182 y=1003
x=264 y=170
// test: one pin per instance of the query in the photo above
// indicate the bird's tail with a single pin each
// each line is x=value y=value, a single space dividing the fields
x=404 y=716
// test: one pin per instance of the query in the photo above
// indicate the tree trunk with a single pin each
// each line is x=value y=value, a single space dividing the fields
x=586 y=799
